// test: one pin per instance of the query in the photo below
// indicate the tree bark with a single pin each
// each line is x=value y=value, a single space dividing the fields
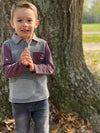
x=72 y=86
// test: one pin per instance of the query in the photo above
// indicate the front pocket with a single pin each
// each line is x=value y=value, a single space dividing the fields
x=39 y=57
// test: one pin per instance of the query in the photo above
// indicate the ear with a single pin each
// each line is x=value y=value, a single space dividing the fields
x=12 y=24
x=36 y=23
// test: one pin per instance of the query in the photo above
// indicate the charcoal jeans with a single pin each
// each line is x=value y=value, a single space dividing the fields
x=38 y=111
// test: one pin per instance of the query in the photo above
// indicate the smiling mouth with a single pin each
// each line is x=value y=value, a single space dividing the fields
x=24 y=30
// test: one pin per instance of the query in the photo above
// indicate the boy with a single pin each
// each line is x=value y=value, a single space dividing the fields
x=26 y=60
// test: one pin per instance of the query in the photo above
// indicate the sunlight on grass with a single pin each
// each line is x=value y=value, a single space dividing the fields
x=91 y=27
x=89 y=38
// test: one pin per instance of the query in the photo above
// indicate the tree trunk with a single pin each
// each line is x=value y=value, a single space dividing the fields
x=72 y=86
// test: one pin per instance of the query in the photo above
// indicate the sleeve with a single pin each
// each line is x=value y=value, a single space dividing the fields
x=46 y=68
x=9 y=68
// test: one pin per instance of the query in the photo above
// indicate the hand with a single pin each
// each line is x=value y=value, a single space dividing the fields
x=24 y=56
x=27 y=60
x=31 y=64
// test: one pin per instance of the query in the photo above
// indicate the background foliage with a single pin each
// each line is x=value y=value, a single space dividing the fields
x=91 y=11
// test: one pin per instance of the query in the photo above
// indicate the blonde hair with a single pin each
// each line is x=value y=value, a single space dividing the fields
x=23 y=4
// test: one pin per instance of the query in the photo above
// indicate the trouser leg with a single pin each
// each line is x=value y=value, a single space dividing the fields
x=22 y=118
x=39 y=111
x=41 y=117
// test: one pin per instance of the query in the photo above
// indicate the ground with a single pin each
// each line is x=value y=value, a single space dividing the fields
x=91 y=46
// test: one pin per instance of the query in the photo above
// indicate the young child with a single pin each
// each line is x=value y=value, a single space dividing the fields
x=26 y=61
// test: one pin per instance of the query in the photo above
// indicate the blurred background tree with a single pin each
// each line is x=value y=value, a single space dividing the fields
x=91 y=11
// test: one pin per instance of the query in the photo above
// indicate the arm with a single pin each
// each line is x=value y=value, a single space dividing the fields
x=48 y=67
x=9 y=68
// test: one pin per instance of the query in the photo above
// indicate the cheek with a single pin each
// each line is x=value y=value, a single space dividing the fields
x=18 y=26
x=32 y=27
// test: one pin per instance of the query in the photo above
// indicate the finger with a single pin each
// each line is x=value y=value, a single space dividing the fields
x=29 y=62
x=26 y=57
x=24 y=62
x=25 y=53
x=25 y=49
x=31 y=67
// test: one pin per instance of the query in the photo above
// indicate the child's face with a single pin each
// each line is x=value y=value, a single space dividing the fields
x=24 y=23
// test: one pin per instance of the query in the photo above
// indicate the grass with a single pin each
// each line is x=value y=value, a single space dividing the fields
x=91 y=27
x=89 y=38
x=92 y=59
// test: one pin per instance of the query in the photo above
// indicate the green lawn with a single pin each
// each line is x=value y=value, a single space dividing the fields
x=89 y=38
x=92 y=58
x=91 y=27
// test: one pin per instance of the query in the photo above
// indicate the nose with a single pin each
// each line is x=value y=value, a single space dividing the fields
x=25 y=24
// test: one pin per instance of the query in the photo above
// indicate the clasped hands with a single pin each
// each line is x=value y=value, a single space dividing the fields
x=27 y=60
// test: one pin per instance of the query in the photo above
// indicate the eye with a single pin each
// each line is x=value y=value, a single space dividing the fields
x=20 y=20
x=29 y=20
